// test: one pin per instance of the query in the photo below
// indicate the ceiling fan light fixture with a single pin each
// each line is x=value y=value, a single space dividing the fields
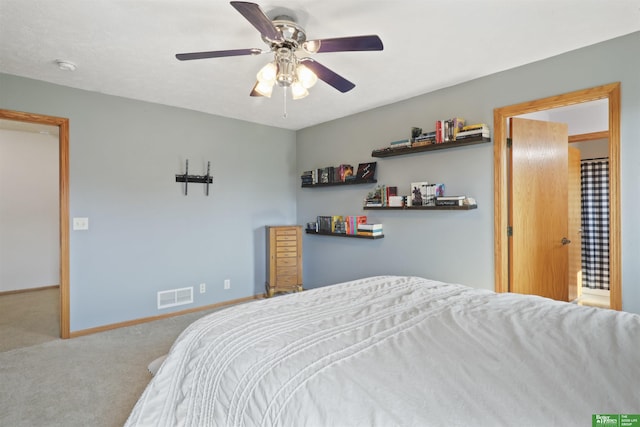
x=264 y=88
x=298 y=91
x=306 y=77
x=268 y=73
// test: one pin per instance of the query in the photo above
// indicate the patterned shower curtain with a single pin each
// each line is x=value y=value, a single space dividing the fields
x=595 y=223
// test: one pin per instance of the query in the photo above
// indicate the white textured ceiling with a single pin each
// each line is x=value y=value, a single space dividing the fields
x=127 y=47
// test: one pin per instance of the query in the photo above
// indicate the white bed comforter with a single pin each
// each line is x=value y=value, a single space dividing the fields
x=398 y=351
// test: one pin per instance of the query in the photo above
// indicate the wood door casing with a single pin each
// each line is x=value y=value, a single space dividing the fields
x=63 y=199
x=538 y=208
x=575 y=225
x=612 y=93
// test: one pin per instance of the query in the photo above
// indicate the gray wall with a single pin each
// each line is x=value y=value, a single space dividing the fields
x=144 y=234
x=29 y=238
x=458 y=246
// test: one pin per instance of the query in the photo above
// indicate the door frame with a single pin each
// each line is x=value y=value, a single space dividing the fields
x=63 y=180
x=500 y=157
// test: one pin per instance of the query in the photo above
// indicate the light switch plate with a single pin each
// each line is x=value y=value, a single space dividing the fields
x=80 y=223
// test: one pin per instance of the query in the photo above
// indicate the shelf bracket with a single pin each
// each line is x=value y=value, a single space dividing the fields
x=198 y=179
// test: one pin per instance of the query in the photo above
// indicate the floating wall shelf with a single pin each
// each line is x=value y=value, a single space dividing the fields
x=349 y=182
x=422 y=208
x=389 y=152
x=357 y=236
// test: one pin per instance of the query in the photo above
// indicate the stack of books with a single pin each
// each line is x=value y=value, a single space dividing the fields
x=370 y=230
x=425 y=138
x=400 y=144
x=473 y=131
x=309 y=177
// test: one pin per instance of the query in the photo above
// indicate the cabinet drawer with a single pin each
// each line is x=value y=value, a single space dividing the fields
x=284 y=238
x=287 y=280
x=288 y=254
x=286 y=243
x=286 y=232
x=287 y=271
x=286 y=262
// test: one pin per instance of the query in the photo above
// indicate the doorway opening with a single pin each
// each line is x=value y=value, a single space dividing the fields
x=63 y=185
x=610 y=92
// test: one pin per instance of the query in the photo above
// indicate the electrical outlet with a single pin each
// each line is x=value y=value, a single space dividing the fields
x=80 y=223
x=203 y=288
x=227 y=284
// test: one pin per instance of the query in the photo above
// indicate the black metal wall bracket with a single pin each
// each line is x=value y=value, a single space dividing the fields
x=198 y=179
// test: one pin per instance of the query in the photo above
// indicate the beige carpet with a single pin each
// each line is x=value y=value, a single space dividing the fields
x=29 y=318
x=93 y=380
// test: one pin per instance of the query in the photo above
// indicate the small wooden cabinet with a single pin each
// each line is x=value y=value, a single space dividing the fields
x=284 y=259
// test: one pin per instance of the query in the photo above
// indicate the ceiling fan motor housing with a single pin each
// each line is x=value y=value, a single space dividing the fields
x=292 y=33
x=287 y=63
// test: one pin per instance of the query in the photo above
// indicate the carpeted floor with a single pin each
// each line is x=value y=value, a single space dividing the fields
x=29 y=318
x=93 y=380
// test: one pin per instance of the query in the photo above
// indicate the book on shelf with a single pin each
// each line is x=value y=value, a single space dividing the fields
x=395 y=201
x=369 y=227
x=352 y=222
x=346 y=171
x=449 y=202
x=455 y=201
x=324 y=177
x=324 y=224
x=390 y=192
x=308 y=177
x=448 y=129
x=473 y=136
x=418 y=193
x=475 y=126
x=451 y=197
x=366 y=171
x=337 y=224
x=370 y=233
x=401 y=143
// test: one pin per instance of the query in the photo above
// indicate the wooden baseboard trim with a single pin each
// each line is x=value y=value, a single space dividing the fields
x=24 y=291
x=105 y=328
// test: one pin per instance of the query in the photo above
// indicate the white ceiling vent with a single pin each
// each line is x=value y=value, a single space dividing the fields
x=175 y=297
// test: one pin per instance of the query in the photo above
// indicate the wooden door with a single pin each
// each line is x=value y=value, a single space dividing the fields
x=538 y=208
x=575 y=225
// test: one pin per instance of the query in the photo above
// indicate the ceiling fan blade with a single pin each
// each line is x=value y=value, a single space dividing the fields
x=258 y=19
x=328 y=76
x=217 y=54
x=344 y=44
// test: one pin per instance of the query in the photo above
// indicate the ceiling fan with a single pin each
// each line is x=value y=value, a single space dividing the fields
x=288 y=42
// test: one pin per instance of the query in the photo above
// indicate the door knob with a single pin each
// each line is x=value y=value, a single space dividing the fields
x=565 y=241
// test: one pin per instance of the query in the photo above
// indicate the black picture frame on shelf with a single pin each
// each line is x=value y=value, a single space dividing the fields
x=366 y=171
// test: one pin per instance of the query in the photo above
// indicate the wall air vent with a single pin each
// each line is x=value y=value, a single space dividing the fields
x=175 y=297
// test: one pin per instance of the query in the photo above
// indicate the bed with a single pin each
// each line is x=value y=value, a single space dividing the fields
x=398 y=351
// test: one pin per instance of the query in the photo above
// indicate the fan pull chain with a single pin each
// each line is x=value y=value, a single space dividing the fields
x=285 y=102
